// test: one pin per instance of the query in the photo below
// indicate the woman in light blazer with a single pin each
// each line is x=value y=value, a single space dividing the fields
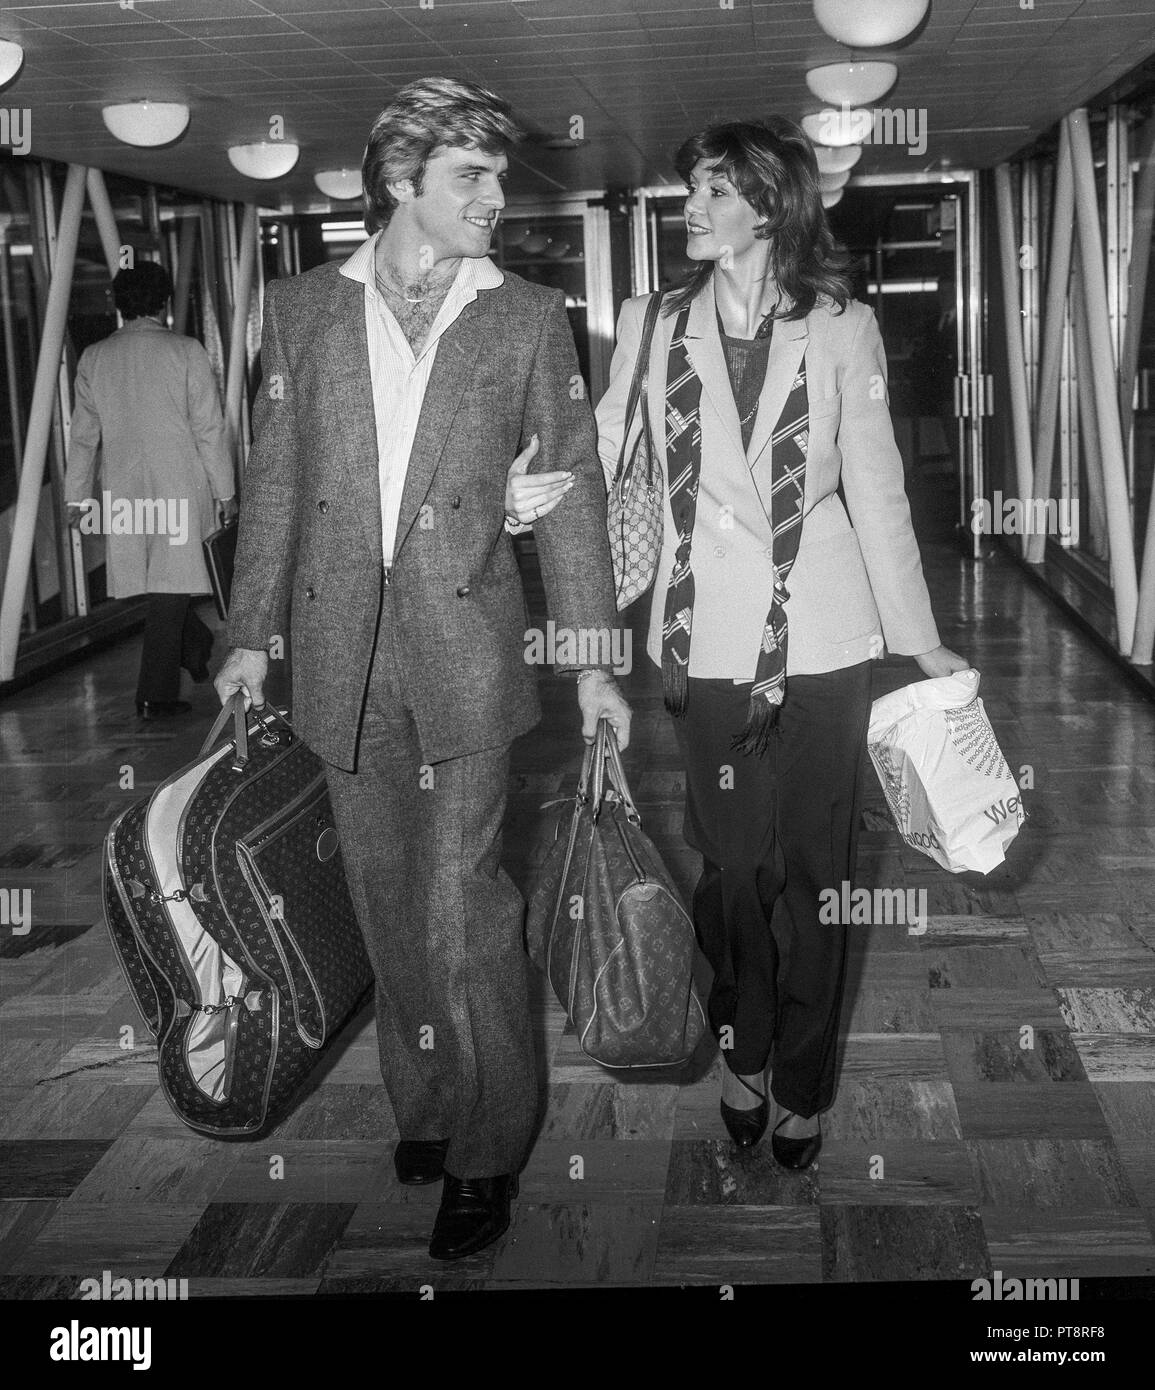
x=766 y=390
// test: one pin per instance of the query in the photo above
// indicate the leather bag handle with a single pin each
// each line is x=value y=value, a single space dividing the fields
x=638 y=385
x=234 y=709
x=612 y=757
x=602 y=767
x=591 y=783
x=599 y=767
x=583 y=789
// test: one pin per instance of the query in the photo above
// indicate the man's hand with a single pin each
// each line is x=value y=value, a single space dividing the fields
x=76 y=514
x=530 y=495
x=942 y=662
x=227 y=509
x=243 y=670
x=600 y=698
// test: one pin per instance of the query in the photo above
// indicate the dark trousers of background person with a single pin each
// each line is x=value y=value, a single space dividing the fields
x=785 y=830
x=442 y=924
x=174 y=636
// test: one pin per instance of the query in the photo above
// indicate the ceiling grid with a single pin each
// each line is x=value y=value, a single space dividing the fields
x=642 y=74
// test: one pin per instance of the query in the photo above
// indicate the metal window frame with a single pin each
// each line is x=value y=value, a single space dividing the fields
x=600 y=317
x=1029 y=274
x=72 y=577
x=1069 y=434
x=1118 y=231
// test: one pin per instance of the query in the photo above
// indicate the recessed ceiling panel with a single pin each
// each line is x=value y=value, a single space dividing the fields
x=980 y=79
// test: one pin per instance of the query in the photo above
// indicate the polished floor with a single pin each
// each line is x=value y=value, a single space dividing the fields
x=955 y=1147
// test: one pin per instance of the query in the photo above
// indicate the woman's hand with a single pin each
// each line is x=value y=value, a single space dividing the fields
x=942 y=662
x=531 y=495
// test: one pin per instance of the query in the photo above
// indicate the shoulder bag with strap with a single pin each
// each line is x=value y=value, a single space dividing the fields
x=636 y=502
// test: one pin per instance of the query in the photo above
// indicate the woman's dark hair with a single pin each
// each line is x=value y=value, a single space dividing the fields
x=433 y=111
x=771 y=163
x=141 y=290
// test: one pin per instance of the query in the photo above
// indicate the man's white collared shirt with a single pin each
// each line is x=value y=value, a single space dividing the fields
x=398 y=377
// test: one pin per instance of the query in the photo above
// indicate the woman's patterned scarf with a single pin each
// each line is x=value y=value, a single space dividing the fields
x=787 y=489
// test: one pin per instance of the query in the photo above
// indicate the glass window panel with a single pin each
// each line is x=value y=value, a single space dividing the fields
x=1144 y=423
x=550 y=250
x=23 y=290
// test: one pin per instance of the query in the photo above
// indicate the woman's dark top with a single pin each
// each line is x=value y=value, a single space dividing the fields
x=746 y=360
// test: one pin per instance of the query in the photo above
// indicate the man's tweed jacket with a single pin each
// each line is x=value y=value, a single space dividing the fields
x=310 y=526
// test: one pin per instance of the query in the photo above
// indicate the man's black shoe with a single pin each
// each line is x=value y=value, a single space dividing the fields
x=420 y=1161
x=161 y=709
x=474 y=1212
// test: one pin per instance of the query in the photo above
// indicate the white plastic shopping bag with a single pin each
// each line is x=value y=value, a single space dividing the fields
x=945 y=778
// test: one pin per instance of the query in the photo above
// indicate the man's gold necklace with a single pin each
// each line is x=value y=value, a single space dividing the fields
x=400 y=294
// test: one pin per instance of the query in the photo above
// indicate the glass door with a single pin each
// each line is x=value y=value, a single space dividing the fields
x=908 y=245
x=548 y=248
x=567 y=244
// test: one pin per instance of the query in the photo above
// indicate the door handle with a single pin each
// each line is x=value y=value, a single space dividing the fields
x=985 y=389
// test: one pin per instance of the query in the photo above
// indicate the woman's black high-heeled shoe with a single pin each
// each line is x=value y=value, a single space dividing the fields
x=794 y=1153
x=746 y=1127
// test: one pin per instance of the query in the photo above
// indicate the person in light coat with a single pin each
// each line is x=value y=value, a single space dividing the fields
x=788 y=563
x=147 y=403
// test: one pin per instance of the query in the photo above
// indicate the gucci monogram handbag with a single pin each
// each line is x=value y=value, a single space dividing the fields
x=636 y=502
x=607 y=926
x=226 y=900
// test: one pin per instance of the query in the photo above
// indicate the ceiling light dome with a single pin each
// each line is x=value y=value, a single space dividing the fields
x=830 y=183
x=855 y=84
x=869 y=23
x=146 y=123
x=11 y=57
x=850 y=125
x=264 y=159
x=339 y=183
x=830 y=200
x=834 y=161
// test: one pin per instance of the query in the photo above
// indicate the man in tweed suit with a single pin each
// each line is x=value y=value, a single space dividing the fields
x=397 y=388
